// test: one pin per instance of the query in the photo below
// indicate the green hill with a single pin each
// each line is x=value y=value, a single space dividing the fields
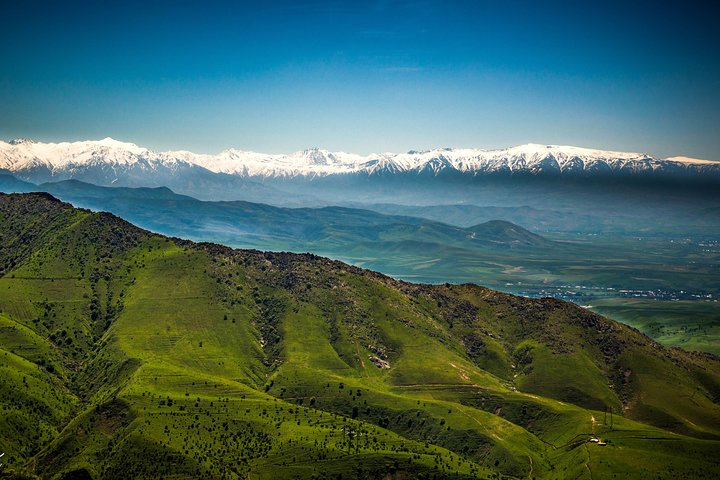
x=508 y=234
x=126 y=354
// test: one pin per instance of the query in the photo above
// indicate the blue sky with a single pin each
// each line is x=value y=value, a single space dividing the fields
x=364 y=76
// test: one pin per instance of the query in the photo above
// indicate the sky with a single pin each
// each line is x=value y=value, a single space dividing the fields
x=364 y=76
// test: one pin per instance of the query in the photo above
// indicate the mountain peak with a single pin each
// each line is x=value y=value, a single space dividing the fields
x=112 y=143
x=21 y=141
x=689 y=160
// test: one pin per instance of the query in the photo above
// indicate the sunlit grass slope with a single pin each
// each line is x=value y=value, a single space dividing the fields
x=125 y=354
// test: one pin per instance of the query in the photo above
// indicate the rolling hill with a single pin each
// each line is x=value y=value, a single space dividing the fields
x=125 y=353
x=612 y=273
x=253 y=225
x=679 y=220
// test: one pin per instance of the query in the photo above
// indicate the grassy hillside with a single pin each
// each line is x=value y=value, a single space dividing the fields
x=126 y=354
x=632 y=273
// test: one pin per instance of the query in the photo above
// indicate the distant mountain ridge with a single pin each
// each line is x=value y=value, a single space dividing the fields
x=254 y=225
x=110 y=161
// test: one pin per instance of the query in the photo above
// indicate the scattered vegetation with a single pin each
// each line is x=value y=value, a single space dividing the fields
x=125 y=354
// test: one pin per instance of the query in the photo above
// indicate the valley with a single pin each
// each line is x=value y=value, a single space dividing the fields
x=631 y=273
x=127 y=353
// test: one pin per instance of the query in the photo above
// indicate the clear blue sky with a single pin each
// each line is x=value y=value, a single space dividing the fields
x=363 y=76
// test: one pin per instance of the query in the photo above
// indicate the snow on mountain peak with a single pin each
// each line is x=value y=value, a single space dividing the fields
x=112 y=143
x=21 y=141
x=69 y=158
x=689 y=160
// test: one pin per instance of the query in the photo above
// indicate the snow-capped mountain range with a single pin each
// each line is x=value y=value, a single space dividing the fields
x=110 y=161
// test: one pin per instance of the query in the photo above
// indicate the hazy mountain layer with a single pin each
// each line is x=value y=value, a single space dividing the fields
x=316 y=177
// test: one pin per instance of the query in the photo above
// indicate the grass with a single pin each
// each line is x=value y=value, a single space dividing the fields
x=692 y=325
x=195 y=361
x=590 y=260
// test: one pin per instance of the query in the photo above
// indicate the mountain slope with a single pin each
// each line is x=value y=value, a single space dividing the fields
x=144 y=356
x=10 y=184
x=608 y=273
